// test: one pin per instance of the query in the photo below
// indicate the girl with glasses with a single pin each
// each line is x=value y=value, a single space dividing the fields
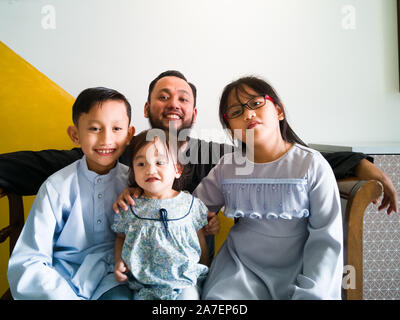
x=287 y=242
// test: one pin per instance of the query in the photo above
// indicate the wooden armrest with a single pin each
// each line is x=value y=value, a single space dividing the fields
x=359 y=194
x=5 y=232
x=372 y=189
x=16 y=223
x=16 y=218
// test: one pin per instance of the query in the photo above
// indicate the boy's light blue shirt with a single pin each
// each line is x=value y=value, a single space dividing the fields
x=65 y=250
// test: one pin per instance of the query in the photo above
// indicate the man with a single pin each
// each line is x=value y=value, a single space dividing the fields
x=171 y=105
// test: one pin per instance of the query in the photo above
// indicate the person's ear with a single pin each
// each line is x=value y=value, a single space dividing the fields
x=146 y=110
x=194 y=115
x=178 y=170
x=131 y=133
x=73 y=133
x=280 y=113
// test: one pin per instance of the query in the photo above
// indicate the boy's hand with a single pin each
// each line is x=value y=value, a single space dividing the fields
x=213 y=226
x=125 y=199
x=119 y=271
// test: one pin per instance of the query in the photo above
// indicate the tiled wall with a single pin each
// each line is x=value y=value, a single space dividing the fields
x=382 y=242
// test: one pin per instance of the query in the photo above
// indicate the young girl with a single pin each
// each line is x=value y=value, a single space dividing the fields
x=287 y=243
x=160 y=247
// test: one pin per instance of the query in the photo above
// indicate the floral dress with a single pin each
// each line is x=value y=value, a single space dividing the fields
x=161 y=247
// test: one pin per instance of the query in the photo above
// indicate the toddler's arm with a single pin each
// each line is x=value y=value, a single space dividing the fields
x=119 y=265
x=213 y=226
x=204 y=259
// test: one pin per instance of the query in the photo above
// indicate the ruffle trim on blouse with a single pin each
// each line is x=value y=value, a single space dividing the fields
x=266 y=198
x=304 y=213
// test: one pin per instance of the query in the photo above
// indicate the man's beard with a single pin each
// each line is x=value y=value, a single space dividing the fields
x=158 y=124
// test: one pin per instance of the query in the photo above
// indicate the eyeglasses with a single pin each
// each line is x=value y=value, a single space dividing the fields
x=253 y=104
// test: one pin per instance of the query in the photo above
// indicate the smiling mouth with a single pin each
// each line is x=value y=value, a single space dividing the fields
x=105 y=152
x=173 y=116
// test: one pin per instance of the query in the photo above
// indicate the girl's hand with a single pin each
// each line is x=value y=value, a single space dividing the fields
x=213 y=226
x=120 y=269
x=125 y=199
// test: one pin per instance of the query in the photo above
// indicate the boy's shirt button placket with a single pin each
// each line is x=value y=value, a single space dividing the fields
x=99 y=209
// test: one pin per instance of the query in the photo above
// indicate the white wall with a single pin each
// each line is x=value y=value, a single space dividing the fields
x=338 y=84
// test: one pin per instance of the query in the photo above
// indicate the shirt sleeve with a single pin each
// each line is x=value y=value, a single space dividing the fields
x=322 y=272
x=24 y=172
x=209 y=190
x=200 y=214
x=30 y=272
x=344 y=164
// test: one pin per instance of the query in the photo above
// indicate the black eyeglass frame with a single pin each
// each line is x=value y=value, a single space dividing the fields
x=246 y=105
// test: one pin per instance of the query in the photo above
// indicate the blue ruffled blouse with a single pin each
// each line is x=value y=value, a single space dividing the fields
x=287 y=243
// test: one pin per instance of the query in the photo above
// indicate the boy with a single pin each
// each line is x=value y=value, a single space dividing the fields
x=65 y=250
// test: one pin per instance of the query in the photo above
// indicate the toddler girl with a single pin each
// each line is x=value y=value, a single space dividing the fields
x=160 y=247
x=287 y=243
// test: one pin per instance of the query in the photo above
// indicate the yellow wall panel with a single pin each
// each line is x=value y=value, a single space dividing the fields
x=34 y=113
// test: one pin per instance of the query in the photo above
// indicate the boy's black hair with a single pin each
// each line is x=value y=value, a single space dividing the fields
x=96 y=96
x=172 y=73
